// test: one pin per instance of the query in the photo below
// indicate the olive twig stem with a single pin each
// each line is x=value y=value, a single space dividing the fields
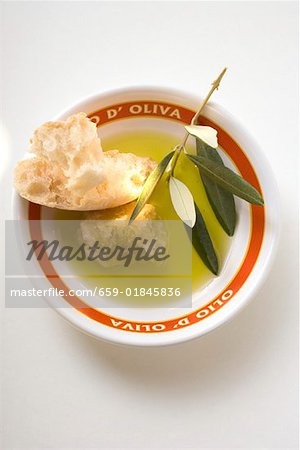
x=178 y=148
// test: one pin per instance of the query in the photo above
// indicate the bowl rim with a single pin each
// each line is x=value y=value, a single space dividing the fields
x=164 y=339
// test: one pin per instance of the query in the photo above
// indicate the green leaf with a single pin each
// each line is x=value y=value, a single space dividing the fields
x=149 y=185
x=221 y=201
x=183 y=202
x=228 y=179
x=203 y=244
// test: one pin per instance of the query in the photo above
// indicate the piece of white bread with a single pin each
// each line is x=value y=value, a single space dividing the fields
x=110 y=228
x=69 y=170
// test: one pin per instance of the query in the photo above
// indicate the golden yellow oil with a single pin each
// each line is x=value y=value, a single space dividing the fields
x=157 y=144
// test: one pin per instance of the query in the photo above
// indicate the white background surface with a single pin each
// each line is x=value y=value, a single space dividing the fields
x=236 y=387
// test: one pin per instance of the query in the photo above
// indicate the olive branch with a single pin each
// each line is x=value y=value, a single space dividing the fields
x=220 y=183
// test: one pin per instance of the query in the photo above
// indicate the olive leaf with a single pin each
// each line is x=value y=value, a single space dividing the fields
x=183 y=201
x=206 y=134
x=221 y=201
x=203 y=244
x=150 y=185
x=228 y=179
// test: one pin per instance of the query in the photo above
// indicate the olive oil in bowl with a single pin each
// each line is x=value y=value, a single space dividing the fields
x=156 y=144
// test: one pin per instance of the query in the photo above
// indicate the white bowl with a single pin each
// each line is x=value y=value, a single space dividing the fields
x=252 y=249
